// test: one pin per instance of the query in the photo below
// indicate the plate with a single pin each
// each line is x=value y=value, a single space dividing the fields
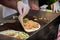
x=30 y=22
x=32 y=30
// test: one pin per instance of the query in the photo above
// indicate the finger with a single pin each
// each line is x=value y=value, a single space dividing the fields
x=20 y=7
x=57 y=11
x=26 y=10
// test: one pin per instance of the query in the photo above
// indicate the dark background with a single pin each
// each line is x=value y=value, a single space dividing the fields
x=47 y=2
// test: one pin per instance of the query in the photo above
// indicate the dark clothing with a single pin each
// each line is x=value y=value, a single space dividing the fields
x=42 y=2
x=47 y=2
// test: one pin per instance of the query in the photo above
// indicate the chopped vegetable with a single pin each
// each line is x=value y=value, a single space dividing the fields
x=31 y=25
x=35 y=19
x=16 y=34
x=47 y=10
x=25 y=20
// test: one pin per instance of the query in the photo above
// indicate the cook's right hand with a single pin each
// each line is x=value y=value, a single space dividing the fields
x=23 y=8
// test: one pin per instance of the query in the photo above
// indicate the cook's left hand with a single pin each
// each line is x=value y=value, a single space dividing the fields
x=23 y=8
x=34 y=6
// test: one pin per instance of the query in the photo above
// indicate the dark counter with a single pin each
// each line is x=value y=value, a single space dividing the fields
x=32 y=15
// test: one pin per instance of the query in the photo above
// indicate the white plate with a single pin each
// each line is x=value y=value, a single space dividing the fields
x=32 y=30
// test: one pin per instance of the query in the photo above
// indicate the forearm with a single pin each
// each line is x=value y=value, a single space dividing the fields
x=9 y=3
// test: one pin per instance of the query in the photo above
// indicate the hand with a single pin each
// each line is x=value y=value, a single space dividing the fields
x=34 y=7
x=55 y=9
x=23 y=8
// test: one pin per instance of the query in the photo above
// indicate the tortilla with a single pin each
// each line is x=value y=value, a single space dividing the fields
x=16 y=34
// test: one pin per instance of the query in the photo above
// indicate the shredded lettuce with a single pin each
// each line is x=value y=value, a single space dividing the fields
x=25 y=20
x=23 y=34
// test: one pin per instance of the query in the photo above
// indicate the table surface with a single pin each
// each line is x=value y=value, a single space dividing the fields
x=32 y=15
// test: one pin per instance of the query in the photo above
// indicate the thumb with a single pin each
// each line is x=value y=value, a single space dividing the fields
x=26 y=10
x=20 y=6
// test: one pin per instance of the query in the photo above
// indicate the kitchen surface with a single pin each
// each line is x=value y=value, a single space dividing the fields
x=42 y=21
x=43 y=18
